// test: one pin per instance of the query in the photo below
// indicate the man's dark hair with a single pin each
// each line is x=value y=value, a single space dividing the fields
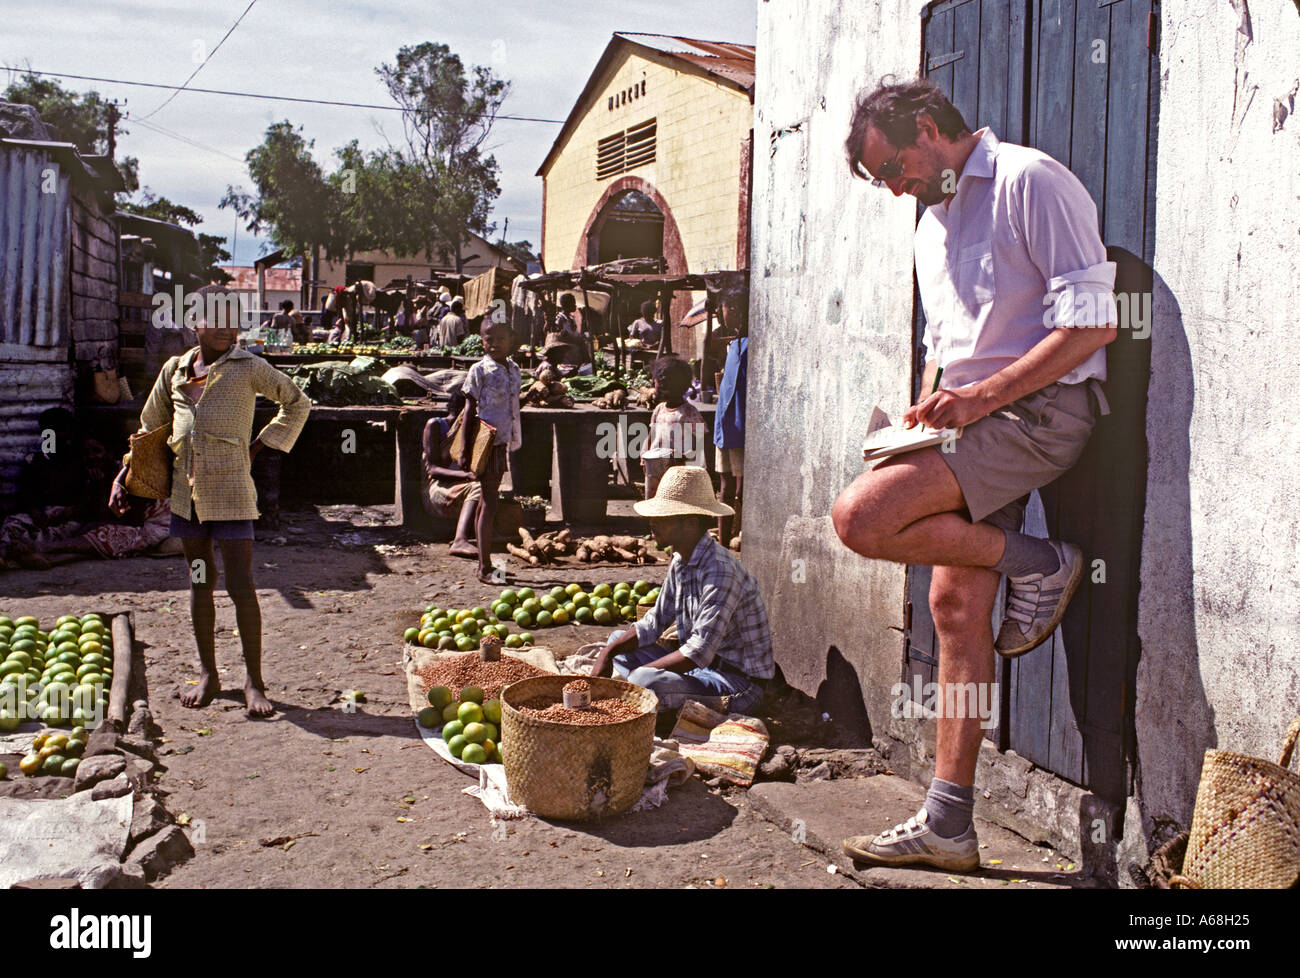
x=287 y=305
x=672 y=372
x=648 y=310
x=458 y=304
x=58 y=418
x=568 y=303
x=892 y=109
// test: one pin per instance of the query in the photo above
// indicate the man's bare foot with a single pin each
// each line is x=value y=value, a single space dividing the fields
x=257 y=703
x=492 y=576
x=463 y=548
x=201 y=695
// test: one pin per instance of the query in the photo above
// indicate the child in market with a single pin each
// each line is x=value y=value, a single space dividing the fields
x=677 y=429
x=492 y=391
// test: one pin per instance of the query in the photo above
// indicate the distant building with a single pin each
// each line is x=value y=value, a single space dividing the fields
x=477 y=256
x=281 y=284
x=654 y=161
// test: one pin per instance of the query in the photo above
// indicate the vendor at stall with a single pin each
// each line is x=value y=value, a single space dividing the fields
x=450 y=493
x=647 y=328
x=726 y=643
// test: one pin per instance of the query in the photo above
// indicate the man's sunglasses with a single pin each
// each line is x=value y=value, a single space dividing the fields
x=888 y=171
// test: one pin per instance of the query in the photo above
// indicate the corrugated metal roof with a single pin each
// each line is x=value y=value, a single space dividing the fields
x=733 y=63
x=35 y=251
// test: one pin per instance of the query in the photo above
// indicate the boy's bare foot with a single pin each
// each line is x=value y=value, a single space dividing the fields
x=491 y=576
x=257 y=703
x=463 y=548
x=201 y=695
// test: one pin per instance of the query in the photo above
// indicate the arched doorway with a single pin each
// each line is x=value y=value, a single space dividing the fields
x=633 y=220
x=631 y=226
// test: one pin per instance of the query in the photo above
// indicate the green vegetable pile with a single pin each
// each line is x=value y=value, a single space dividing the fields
x=338 y=384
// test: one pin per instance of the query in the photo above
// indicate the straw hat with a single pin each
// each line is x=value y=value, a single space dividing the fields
x=685 y=490
x=553 y=342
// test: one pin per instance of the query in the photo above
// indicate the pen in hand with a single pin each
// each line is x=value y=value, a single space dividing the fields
x=934 y=387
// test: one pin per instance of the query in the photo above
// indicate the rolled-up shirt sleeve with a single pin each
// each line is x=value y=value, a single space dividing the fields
x=1057 y=219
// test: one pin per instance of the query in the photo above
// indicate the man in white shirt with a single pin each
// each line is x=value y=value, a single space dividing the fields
x=1017 y=296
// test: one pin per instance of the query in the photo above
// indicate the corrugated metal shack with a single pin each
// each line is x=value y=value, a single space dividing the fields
x=58 y=278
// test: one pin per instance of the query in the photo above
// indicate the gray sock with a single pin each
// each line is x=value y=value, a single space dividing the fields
x=949 y=807
x=1027 y=555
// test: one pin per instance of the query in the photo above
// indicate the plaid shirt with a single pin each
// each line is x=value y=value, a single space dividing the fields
x=715 y=604
x=211 y=473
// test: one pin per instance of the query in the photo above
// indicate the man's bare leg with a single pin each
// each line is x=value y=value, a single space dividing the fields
x=909 y=510
x=201 y=568
x=237 y=558
x=961 y=600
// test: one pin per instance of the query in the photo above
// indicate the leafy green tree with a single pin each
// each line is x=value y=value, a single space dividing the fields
x=294 y=201
x=519 y=250
x=447 y=116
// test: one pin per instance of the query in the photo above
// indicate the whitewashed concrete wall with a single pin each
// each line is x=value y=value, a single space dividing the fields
x=832 y=306
x=1219 y=616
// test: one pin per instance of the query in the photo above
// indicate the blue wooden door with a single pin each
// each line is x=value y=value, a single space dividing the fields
x=1077 y=79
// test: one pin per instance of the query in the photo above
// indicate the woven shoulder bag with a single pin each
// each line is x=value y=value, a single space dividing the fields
x=149 y=464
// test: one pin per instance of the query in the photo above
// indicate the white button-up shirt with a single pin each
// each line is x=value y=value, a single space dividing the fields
x=1014 y=253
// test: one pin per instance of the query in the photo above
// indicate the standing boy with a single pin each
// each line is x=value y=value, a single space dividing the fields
x=207 y=395
x=677 y=429
x=492 y=394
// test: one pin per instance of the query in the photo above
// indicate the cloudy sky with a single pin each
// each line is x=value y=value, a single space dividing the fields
x=193 y=148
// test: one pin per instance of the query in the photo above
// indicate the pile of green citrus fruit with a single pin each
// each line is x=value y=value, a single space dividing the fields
x=460 y=629
x=470 y=726
x=55 y=753
x=59 y=676
x=605 y=604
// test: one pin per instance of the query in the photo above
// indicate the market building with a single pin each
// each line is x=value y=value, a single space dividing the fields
x=654 y=161
x=477 y=255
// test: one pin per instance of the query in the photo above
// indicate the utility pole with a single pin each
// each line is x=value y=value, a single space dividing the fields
x=113 y=117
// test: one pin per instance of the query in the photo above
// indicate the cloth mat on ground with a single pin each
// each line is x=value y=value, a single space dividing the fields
x=728 y=746
x=71 y=837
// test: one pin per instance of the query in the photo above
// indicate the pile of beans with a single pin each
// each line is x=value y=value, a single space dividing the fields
x=612 y=710
x=469 y=670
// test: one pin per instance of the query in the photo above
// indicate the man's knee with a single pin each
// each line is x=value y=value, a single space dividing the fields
x=957 y=609
x=648 y=678
x=856 y=519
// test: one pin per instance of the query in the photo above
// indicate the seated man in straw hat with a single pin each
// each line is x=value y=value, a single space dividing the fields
x=726 y=644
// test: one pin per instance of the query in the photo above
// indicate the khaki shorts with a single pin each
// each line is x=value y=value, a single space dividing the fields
x=1001 y=458
x=731 y=461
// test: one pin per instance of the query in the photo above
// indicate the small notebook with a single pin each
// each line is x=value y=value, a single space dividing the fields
x=885 y=439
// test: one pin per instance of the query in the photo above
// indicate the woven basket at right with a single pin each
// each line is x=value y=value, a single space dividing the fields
x=1246 y=826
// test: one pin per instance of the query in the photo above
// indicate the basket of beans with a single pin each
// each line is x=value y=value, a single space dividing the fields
x=579 y=747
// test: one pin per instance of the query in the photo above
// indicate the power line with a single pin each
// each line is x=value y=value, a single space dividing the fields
x=202 y=63
x=184 y=139
x=255 y=95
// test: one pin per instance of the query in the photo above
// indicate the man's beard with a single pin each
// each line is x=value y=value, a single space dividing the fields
x=930 y=193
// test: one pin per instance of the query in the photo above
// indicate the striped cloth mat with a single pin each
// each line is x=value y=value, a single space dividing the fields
x=722 y=746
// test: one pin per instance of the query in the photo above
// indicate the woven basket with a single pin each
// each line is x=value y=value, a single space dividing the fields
x=149 y=464
x=570 y=772
x=1246 y=826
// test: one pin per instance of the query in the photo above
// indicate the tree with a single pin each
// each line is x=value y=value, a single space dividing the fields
x=210 y=252
x=519 y=250
x=82 y=119
x=446 y=119
x=293 y=201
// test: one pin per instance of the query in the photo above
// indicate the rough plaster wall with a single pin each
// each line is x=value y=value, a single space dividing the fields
x=1219 y=612
x=832 y=307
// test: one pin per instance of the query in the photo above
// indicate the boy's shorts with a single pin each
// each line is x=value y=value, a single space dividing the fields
x=1001 y=458
x=211 y=530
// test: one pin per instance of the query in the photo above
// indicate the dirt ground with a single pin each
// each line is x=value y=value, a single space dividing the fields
x=356 y=797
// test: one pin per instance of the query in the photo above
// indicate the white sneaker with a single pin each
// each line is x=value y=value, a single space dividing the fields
x=914 y=843
x=1036 y=603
